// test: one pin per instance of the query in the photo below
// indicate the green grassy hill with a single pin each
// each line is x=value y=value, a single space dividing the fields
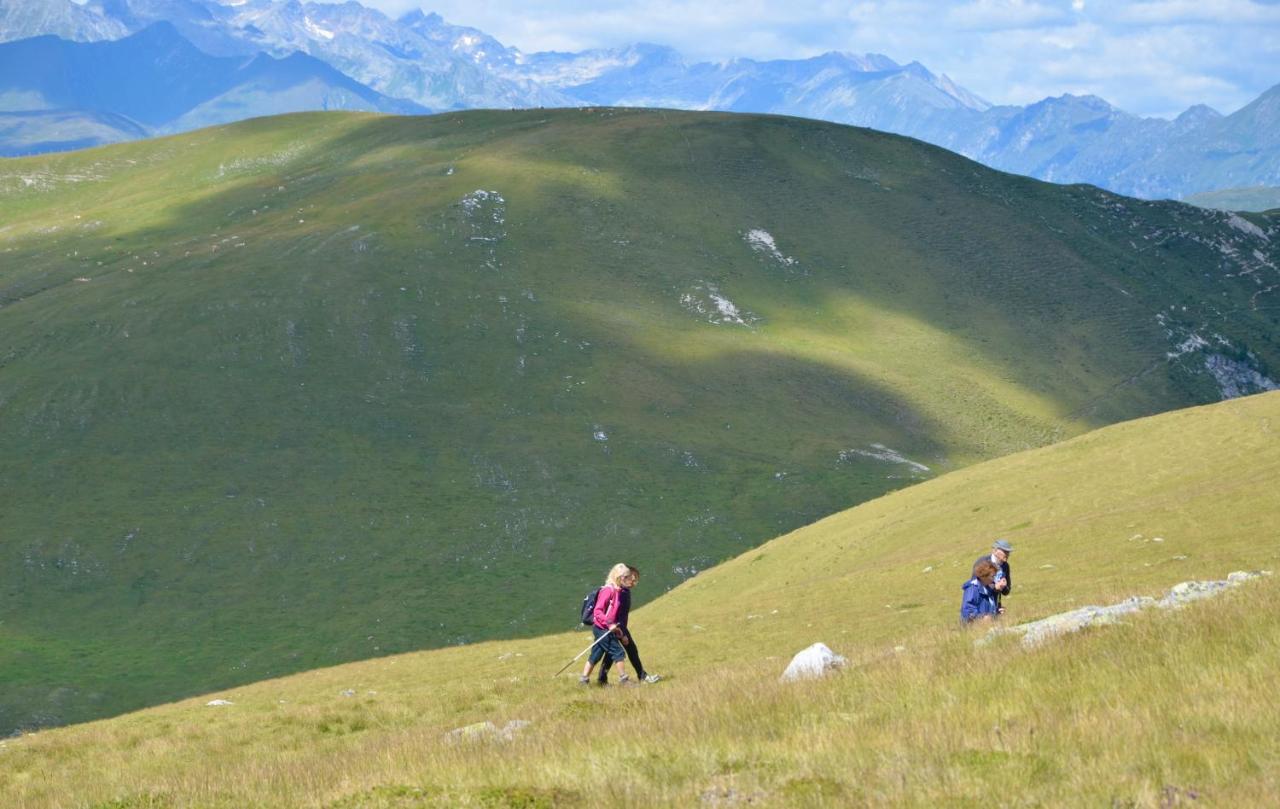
x=319 y=388
x=1172 y=708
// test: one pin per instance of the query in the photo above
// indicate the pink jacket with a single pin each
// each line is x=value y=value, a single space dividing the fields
x=607 y=604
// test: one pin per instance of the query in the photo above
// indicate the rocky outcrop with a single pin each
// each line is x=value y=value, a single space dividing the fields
x=487 y=731
x=1036 y=632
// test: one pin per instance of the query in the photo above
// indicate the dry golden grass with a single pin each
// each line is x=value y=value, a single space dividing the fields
x=1174 y=708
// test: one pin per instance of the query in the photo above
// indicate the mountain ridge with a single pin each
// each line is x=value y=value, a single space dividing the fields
x=171 y=85
x=422 y=58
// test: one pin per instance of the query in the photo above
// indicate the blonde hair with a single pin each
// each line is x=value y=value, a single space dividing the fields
x=616 y=574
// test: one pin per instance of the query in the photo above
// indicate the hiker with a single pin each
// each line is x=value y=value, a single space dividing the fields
x=628 y=638
x=999 y=557
x=609 y=603
x=979 y=600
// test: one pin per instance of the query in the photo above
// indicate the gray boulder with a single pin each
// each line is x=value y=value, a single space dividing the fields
x=1036 y=632
x=816 y=661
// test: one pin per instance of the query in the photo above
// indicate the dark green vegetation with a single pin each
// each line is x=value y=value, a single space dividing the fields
x=323 y=387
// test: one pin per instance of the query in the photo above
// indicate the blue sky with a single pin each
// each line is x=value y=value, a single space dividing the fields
x=1150 y=57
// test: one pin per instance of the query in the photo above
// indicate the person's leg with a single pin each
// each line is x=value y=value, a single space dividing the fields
x=615 y=658
x=633 y=655
x=603 y=679
x=597 y=654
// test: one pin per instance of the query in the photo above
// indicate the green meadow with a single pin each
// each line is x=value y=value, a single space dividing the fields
x=1169 y=708
x=332 y=387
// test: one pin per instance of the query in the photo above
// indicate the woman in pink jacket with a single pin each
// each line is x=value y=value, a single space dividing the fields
x=606 y=620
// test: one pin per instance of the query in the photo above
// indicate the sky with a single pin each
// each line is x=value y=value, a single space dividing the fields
x=1148 y=57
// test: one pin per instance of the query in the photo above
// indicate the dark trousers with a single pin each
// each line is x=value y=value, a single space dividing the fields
x=633 y=654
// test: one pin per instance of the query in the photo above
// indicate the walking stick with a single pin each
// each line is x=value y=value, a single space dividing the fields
x=580 y=654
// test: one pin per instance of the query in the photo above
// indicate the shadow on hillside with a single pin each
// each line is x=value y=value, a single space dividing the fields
x=888 y=224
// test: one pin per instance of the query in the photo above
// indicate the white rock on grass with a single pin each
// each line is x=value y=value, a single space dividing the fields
x=816 y=661
x=217 y=702
x=487 y=731
x=1036 y=632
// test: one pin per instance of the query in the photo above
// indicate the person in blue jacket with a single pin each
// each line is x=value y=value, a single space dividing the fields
x=999 y=557
x=979 y=600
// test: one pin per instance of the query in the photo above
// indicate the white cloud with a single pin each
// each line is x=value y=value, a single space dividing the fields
x=1215 y=12
x=987 y=15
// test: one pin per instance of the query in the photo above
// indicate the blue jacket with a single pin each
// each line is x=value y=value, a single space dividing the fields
x=1004 y=582
x=978 y=600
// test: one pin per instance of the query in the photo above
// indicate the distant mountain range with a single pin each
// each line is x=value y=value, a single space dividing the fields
x=1258 y=198
x=437 y=66
x=58 y=94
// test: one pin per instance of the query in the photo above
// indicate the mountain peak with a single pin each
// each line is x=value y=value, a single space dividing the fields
x=1197 y=114
x=419 y=17
x=162 y=34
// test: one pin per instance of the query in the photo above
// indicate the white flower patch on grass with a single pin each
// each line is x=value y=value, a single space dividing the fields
x=706 y=300
x=43 y=180
x=880 y=452
x=762 y=241
x=259 y=163
x=486 y=212
x=1194 y=342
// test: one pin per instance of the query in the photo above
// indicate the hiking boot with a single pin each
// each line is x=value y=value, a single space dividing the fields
x=626 y=680
x=651 y=678
x=584 y=679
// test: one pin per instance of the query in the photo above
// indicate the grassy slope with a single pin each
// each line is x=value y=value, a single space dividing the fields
x=1148 y=714
x=273 y=397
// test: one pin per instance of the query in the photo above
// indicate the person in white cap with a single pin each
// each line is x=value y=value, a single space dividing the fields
x=999 y=557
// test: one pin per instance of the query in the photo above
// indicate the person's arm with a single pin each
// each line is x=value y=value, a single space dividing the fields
x=1007 y=584
x=969 y=604
x=606 y=607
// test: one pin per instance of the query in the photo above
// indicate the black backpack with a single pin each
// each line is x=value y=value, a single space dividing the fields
x=589 y=606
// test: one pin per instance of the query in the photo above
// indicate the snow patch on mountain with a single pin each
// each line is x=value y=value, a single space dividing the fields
x=316 y=30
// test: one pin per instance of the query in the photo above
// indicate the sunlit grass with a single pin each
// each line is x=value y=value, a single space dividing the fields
x=1172 y=708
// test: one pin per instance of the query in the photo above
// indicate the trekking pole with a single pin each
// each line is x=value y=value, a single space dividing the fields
x=580 y=654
